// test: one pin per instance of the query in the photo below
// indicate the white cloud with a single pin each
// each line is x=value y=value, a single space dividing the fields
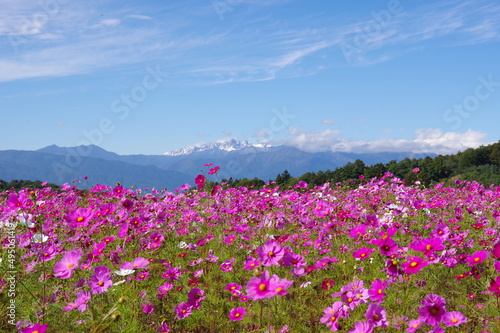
x=110 y=22
x=140 y=17
x=262 y=133
x=425 y=141
x=328 y=121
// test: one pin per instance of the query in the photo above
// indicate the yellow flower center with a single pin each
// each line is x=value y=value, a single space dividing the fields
x=413 y=264
x=79 y=219
x=262 y=287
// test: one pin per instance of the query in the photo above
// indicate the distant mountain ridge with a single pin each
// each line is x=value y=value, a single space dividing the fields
x=237 y=159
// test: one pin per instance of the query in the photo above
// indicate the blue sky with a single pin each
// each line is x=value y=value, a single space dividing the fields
x=153 y=76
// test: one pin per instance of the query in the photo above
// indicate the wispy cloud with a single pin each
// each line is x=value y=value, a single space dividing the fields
x=194 y=45
x=465 y=23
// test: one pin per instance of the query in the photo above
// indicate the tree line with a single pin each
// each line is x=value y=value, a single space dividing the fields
x=17 y=184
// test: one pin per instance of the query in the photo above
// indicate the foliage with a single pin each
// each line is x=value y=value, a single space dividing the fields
x=223 y=259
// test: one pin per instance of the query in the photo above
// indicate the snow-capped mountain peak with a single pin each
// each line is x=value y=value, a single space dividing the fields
x=227 y=145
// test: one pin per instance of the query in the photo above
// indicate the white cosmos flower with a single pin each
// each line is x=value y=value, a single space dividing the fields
x=182 y=244
x=124 y=272
x=39 y=238
x=25 y=219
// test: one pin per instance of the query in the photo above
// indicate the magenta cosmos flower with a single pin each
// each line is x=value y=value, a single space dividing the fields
x=200 y=181
x=376 y=292
x=183 y=310
x=362 y=253
x=35 y=328
x=376 y=315
x=64 y=269
x=413 y=265
x=237 y=314
x=79 y=217
x=495 y=286
x=263 y=286
x=270 y=253
x=433 y=310
x=428 y=245
x=477 y=258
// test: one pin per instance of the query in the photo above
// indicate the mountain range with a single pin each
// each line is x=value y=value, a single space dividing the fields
x=236 y=159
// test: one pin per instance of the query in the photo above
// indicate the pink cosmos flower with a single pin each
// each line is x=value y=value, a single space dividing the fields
x=79 y=217
x=21 y=200
x=413 y=265
x=230 y=238
x=281 y=285
x=183 y=310
x=195 y=296
x=362 y=253
x=433 y=310
x=200 y=181
x=100 y=281
x=263 y=286
x=237 y=314
x=333 y=314
x=477 y=258
x=270 y=253
x=35 y=328
x=80 y=302
x=172 y=273
x=163 y=328
x=213 y=170
x=293 y=259
x=64 y=269
x=376 y=292
x=362 y=327
x=164 y=289
x=138 y=263
x=495 y=252
x=495 y=286
x=351 y=299
x=428 y=245
x=376 y=315
x=227 y=266
x=233 y=286
x=148 y=308
x=414 y=325
x=388 y=247
x=454 y=318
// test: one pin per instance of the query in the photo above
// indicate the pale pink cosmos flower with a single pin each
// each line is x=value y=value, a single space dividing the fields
x=138 y=263
x=64 y=269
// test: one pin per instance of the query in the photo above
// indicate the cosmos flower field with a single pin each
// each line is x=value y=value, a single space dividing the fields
x=378 y=256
